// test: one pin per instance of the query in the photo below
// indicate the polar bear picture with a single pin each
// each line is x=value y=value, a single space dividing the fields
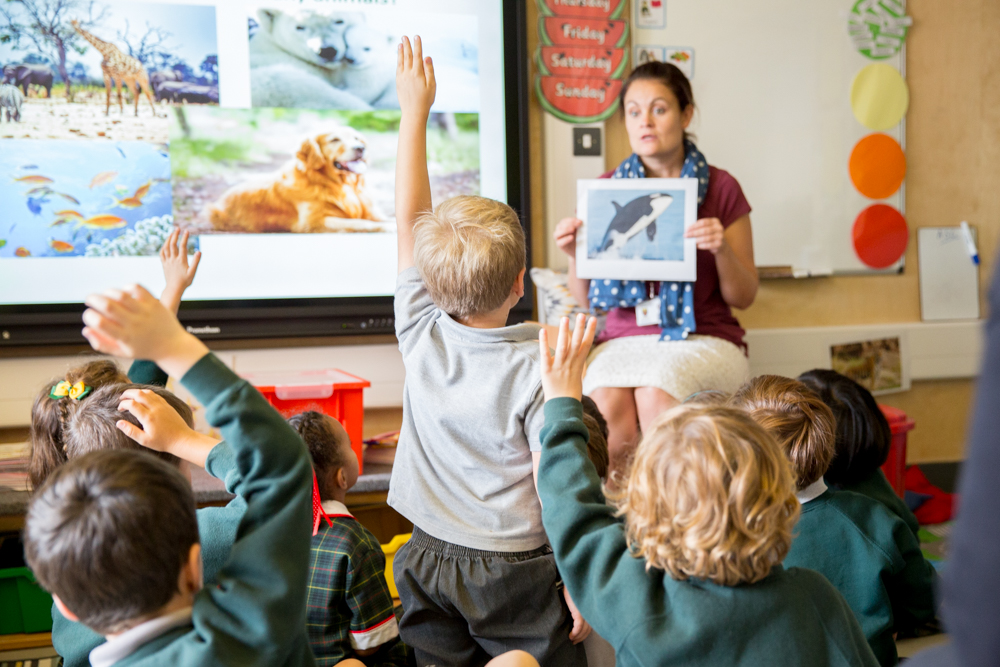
x=323 y=59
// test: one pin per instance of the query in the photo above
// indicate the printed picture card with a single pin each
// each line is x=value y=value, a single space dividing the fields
x=634 y=228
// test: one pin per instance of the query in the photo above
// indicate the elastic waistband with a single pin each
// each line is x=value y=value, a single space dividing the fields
x=430 y=543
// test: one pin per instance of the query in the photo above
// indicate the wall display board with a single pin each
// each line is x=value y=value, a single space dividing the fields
x=804 y=103
x=266 y=128
x=581 y=57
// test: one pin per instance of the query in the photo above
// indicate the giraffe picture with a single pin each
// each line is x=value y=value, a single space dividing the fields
x=108 y=70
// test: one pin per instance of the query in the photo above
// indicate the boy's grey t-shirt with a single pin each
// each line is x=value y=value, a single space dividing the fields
x=472 y=415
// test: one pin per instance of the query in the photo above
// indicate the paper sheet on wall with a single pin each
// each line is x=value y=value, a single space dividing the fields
x=949 y=280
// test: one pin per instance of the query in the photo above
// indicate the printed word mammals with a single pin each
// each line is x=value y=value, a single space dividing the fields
x=586 y=92
x=582 y=32
x=600 y=4
x=593 y=62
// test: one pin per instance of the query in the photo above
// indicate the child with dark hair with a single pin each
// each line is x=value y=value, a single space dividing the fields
x=865 y=551
x=97 y=425
x=862 y=441
x=349 y=609
x=113 y=534
x=94 y=424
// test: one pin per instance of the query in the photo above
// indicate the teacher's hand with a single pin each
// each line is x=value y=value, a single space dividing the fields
x=566 y=235
x=708 y=233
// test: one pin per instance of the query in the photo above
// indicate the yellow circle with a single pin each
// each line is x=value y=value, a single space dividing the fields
x=879 y=96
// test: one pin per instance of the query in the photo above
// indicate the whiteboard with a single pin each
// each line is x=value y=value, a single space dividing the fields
x=771 y=82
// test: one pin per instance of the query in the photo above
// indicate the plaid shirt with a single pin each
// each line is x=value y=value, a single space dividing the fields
x=349 y=606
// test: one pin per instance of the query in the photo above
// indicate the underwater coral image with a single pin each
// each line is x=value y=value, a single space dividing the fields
x=74 y=198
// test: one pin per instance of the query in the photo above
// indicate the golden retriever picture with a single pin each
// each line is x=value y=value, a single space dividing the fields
x=321 y=190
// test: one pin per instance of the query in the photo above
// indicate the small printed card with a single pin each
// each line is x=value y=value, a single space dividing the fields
x=633 y=228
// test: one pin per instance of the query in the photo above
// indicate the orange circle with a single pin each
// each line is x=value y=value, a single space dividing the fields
x=877 y=166
x=880 y=236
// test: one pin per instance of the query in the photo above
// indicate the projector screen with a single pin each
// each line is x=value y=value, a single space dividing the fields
x=267 y=129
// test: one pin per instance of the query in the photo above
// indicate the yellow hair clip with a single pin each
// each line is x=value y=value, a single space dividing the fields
x=75 y=391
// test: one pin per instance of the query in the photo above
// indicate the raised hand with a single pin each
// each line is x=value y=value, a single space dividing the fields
x=415 y=83
x=709 y=234
x=565 y=235
x=562 y=374
x=178 y=272
x=132 y=323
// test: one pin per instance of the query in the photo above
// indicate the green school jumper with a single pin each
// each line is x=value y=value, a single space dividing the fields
x=872 y=558
x=792 y=617
x=216 y=529
x=255 y=613
x=877 y=487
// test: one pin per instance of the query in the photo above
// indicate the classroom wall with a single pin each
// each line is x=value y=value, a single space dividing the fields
x=953 y=154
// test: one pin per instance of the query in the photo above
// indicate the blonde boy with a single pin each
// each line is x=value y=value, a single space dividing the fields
x=692 y=575
x=478 y=577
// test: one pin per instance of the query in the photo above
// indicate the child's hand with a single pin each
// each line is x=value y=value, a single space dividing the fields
x=176 y=270
x=162 y=428
x=132 y=323
x=562 y=375
x=581 y=629
x=415 y=84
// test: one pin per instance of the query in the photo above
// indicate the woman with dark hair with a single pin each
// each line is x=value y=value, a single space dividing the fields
x=639 y=371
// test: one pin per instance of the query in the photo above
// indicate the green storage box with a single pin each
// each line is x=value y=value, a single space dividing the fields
x=25 y=606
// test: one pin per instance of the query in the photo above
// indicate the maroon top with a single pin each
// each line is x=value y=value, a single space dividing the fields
x=712 y=316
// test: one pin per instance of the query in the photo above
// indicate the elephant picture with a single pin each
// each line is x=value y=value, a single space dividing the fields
x=24 y=75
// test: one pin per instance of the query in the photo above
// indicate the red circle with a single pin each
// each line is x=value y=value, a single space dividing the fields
x=880 y=236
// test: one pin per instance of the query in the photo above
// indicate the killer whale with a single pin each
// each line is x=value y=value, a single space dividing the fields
x=639 y=214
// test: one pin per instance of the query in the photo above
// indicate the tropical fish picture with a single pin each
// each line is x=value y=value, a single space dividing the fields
x=93 y=198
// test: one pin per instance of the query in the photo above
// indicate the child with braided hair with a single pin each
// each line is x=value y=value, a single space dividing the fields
x=58 y=400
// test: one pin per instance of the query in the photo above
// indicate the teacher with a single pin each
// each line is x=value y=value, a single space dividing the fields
x=640 y=369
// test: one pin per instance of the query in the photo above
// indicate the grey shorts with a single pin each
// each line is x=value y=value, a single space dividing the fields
x=462 y=607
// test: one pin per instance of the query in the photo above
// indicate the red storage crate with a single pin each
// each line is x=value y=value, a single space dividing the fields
x=331 y=392
x=895 y=466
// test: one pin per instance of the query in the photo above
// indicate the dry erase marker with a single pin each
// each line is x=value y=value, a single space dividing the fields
x=970 y=244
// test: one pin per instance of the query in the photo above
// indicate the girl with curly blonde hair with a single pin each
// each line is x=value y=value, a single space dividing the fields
x=687 y=569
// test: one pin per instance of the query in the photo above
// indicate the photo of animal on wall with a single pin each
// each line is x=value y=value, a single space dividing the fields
x=93 y=69
x=320 y=58
x=305 y=171
x=633 y=224
x=92 y=198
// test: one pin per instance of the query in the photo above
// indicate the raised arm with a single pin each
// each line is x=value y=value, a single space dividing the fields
x=588 y=540
x=179 y=273
x=415 y=86
x=259 y=601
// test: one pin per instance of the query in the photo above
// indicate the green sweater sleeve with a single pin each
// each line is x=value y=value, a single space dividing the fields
x=911 y=589
x=588 y=541
x=257 y=609
x=147 y=372
x=221 y=464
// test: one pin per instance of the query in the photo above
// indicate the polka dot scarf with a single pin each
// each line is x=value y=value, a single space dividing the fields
x=676 y=298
